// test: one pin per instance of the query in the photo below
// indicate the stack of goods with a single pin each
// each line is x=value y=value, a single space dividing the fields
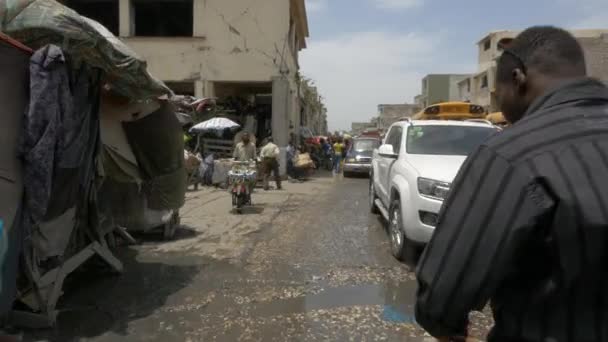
x=243 y=175
x=192 y=162
x=221 y=167
x=303 y=161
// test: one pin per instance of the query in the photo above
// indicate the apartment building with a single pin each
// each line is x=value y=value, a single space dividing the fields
x=439 y=88
x=480 y=88
x=218 y=48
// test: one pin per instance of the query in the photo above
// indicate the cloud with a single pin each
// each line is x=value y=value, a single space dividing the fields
x=397 y=4
x=358 y=71
x=316 y=5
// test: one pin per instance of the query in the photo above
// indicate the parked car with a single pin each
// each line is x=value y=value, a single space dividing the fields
x=412 y=173
x=359 y=156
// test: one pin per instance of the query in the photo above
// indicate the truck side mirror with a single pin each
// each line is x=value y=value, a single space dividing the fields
x=387 y=151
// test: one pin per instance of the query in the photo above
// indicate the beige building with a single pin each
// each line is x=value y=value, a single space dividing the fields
x=388 y=114
x=436 y=88
x=217 y=48
x=359 y=127
x=481 y=87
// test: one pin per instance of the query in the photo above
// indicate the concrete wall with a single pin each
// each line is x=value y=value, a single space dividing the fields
x=391 y=113
x=233 y=41
x=465 y=90
x=594 y=43
x=454 y=92
x=487 y=57
x=438 y=89
x=230 y=44
x=359 y=127
x=596 y=56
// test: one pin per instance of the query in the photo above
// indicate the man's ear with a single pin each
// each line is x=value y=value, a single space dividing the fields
x=519 y=77
x=521 y=81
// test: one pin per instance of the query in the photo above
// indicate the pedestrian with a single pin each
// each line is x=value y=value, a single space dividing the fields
x=326 y=153
x=245 y=149
x=270 y=163
x=526 y=223
x=325 y=147
x=208 y=169
x=338 y=151
x=290 y=153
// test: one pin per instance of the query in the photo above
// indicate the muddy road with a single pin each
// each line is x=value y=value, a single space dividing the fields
x=305 y=264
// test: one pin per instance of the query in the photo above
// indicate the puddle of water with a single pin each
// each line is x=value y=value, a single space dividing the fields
x=396 y=298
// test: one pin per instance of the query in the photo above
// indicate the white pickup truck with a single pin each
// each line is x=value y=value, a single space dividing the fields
x=412 y=172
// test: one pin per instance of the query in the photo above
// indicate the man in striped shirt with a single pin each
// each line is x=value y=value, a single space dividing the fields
x=525 y=226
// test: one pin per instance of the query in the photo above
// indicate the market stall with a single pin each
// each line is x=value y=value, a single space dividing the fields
x=91 y=145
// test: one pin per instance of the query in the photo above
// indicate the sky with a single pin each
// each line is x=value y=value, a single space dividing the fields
x=365 y=52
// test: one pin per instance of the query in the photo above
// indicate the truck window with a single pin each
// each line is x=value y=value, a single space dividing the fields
x=394 y=138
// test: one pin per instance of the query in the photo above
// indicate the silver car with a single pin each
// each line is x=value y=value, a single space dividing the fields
x=359 y=157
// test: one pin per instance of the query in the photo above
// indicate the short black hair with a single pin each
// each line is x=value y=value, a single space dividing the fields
x=546 y=49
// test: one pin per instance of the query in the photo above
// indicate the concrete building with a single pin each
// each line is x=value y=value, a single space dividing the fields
x=388 y=114
x=439 y=88
x=480 y=88
x=359 y=127
x=217 y=48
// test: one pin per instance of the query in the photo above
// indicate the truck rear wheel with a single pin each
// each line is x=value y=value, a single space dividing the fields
x=401 y=247
x=372 y=197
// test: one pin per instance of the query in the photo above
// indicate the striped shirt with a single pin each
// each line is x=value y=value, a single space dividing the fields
x=525 y=227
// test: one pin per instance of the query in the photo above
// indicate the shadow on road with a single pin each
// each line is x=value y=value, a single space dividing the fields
x=357 y=176
x=96 y=304
x=252 y=210
x=182 y=232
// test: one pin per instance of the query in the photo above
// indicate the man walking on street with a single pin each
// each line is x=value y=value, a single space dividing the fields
x=525 y=225
x=270 y=160
x=245 y=150
x=338 y=150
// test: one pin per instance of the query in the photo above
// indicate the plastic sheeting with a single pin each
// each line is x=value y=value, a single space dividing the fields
x=37 y=23
x=158 y=145
x=132 y=211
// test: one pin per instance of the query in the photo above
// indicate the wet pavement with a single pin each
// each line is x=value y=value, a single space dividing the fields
x=306 y=264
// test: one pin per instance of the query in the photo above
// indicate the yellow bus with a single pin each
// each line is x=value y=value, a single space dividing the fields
x=451 y=111
x=497 y=119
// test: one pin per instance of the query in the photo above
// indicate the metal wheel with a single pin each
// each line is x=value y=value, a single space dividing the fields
x=399 y=245
x=372 y=197
x=403 y=249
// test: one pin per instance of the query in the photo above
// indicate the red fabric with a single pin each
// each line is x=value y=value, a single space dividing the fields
x=15 y=43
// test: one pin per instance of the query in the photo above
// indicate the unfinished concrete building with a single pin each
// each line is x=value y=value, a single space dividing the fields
x=481 y=87
x=237 y=51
